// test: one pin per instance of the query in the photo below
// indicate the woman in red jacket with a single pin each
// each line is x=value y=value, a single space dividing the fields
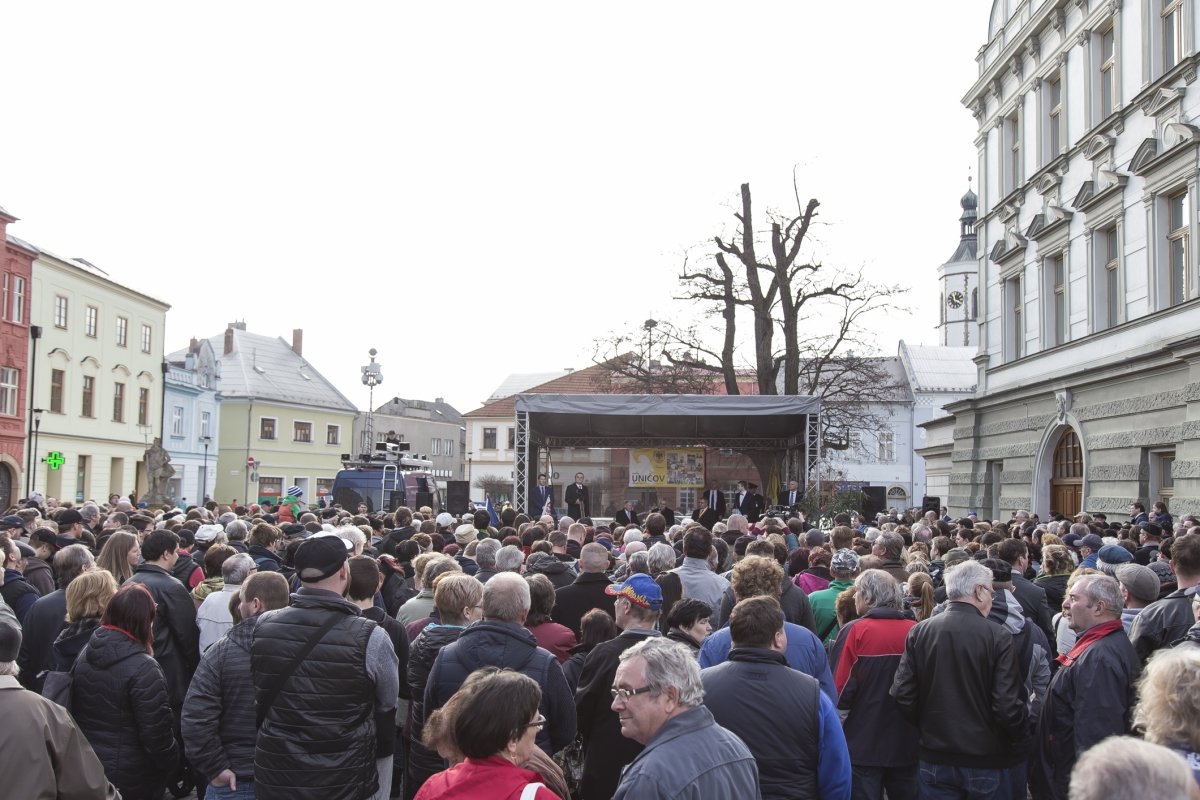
x=495 y=724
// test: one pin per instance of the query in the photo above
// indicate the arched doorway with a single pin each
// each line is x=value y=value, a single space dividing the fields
x=6 y=484
x=1066 y=477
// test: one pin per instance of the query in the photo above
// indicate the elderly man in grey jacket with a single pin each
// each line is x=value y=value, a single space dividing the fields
x=659 y=700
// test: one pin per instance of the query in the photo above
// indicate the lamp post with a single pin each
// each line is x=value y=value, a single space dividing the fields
x=204 y=440
x=372 y=376
x=35 y=333
x=37 y=426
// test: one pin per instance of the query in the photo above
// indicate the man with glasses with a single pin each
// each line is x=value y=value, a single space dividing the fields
x=959 y=683
x=658 y=697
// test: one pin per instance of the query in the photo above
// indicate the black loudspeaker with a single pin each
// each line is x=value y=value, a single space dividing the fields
x=458 y=495
x=933 y=504
x=425 y=499
x=874 y=500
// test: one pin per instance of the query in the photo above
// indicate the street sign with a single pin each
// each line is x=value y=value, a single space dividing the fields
x=250 y=462
x=55 y=460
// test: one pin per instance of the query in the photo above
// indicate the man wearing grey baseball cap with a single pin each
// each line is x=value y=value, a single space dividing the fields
x=326 y=686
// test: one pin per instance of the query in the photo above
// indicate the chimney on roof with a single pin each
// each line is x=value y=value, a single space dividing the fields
x=240 y=325
x=193 y=345
x=438 y=400
x=298 y=341
x=229 y=339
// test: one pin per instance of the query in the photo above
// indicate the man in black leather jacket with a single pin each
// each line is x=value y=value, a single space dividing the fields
x=959 y=683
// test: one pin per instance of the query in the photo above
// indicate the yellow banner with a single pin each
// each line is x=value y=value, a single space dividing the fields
x=666 y=468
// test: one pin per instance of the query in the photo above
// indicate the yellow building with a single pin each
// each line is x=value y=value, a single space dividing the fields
x=279 y=412
x=97 y=377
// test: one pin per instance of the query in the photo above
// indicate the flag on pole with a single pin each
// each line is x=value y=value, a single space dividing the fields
x=491 y=509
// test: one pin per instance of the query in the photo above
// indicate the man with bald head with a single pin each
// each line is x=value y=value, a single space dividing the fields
x=587 y=592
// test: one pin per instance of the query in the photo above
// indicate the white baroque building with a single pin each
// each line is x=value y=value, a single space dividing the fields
x=1088 y=391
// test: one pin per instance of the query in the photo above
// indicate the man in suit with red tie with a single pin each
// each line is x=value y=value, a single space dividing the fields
x=541 y=496
x=716 y=500
x=705 y=515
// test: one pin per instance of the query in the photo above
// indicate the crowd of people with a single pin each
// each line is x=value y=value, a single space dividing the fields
x=421 y=655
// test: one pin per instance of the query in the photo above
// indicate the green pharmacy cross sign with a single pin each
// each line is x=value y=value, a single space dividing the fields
x=54 y=459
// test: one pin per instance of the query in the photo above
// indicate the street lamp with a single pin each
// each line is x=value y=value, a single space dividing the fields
x=37 y=425
x=35 y=333
x=206 y=441
x=372 y=376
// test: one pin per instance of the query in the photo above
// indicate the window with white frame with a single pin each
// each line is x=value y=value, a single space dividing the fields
x=1011 y=131
x=18 y=299
x=177 y=420
x=886 y=450
x=88 y=406
x=143 y=406
x=60 y=311
x=10 y=384
x=118 y=402
x=1055 y=295
x=146 y=338
x=90 y=316
x=205 y=424
x=489 y=438
x=448 y=447
x=435 y=447
x=302 y=432
x=1014 y=318
x=266 y=428
x=58 y=378
x=4 y=297
x=122 y=332
x=1052 y=97
x=333 y=434
x=1106 y=250
x=1178 y=247
x=1172 y=33
x=1106 y=72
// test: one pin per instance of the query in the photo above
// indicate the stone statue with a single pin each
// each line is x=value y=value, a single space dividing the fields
x=159 y=472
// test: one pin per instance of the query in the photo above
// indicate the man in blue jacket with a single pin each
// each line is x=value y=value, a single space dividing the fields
x=792 y=728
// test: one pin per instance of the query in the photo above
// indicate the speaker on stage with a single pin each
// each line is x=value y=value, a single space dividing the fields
x=929 y=503
x=458 y=495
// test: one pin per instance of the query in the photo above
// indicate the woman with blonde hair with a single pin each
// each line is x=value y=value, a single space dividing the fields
x=87 y=597
x=120 y=555
x=919 y=598
x=1169 y=702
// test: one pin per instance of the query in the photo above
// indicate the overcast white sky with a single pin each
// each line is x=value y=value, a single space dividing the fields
x=475 y=189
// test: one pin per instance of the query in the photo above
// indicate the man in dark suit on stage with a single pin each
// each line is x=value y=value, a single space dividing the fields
x=716 y=499
x=747 y=502
x=791 y=496
x=539 y=496
x=579 y=503
x=705 y=515
x=626 y=516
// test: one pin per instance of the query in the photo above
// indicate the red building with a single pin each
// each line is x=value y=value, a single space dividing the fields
x=15 y=283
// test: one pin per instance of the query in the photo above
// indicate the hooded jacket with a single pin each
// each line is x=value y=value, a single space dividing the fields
x=559 y=572
x=119 y=699
x=494 y=643
x=1162 y=623
x=1030 y=645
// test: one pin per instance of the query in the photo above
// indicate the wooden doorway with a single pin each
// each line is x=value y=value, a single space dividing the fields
x=1066 y=482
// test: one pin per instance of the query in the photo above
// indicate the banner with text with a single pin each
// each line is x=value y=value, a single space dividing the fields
x=666 y=467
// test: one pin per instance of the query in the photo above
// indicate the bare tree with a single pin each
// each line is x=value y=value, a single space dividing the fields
x=494 y=486
x=819 y=312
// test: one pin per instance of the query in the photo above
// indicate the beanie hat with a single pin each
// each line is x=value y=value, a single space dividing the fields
x=295 y=491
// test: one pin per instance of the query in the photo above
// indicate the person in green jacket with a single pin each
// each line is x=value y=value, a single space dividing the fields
x=844 y=568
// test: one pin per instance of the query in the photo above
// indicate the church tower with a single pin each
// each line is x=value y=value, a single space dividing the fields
x=958 y=282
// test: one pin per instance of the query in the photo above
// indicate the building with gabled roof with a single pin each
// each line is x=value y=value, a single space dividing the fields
x=282 y=424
